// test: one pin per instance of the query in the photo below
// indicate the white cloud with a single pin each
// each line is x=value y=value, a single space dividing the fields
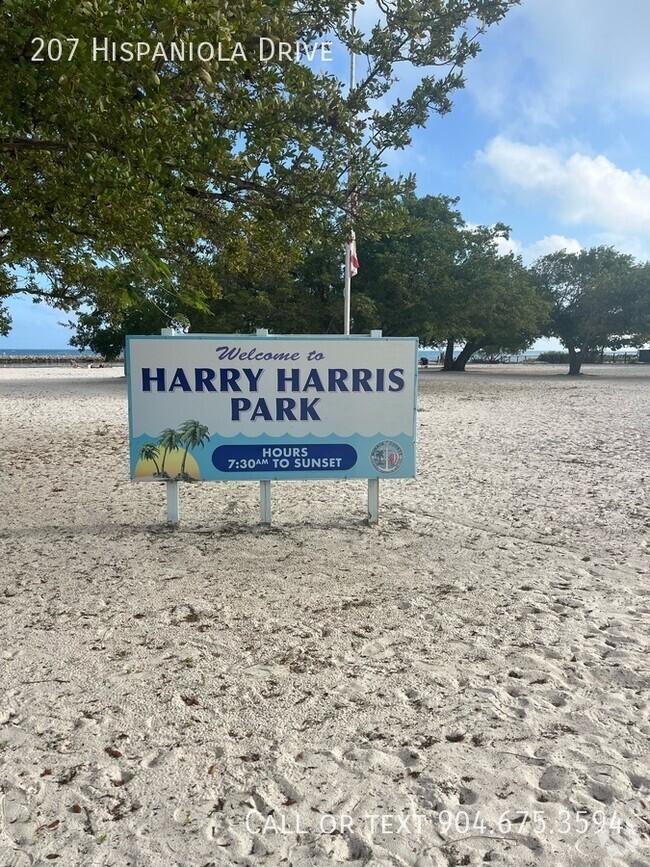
x=508 y=245
x=551 y=244
x=551 y=55
x=530 y=252
x=594 y=45
x=583 y=190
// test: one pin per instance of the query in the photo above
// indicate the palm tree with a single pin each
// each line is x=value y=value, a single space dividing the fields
x=192 y=434
x=169 y=441
x=149 y=452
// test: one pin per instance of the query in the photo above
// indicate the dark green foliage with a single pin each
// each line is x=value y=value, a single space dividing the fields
x=445 y=282
x=432 y=277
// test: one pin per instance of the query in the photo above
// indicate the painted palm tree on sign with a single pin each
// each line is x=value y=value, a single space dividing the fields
x=169 y=441
x=149 y=452
x=192 y=434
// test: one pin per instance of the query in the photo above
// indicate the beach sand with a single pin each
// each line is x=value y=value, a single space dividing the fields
x=187 y=697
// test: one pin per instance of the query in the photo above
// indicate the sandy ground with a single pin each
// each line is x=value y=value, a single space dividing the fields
x=466 y=683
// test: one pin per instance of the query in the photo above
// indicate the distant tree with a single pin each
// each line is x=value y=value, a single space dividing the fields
x=493 y=305
x=5 y=321
x=639 y=298
x=600 y=299
x=7 y=287
x=135 y=178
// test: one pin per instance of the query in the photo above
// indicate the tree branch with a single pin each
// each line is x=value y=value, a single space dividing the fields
x=27 y=144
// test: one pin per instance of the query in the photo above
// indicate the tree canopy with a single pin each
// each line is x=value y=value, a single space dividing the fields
x=124 y=177
x=600 y=299
x=447 y=282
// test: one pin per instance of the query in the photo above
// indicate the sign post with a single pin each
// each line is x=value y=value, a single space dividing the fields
x=232 y=407
x=265 y=502
x=373 y=484
x=265 y=484
x=173 y=495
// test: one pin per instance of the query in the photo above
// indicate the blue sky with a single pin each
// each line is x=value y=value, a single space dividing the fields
x=550 y=136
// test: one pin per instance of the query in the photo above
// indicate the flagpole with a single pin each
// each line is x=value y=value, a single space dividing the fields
x=373 y=484
x=347 y=285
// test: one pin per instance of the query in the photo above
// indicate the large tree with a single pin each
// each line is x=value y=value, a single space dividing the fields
x=120 y=177
x=492 y=304
x=600 y=299
x=407 y=276
x=446 y=282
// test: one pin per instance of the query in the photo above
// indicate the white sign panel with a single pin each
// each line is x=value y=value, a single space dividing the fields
x=219 y=407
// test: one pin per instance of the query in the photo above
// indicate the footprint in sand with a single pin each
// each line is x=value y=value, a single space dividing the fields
x=14 y=812
x=467 y=796
x=555 y=779
x=378 y=647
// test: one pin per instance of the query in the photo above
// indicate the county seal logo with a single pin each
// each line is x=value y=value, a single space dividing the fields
x=387 y=457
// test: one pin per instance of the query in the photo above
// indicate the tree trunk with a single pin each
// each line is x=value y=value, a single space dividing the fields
x=449 y=355
x=466 y=353
x=575 y=360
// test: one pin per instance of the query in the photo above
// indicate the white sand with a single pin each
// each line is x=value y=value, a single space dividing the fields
x=482 y=651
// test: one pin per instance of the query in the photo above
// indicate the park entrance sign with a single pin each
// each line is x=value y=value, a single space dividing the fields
x=239 y=407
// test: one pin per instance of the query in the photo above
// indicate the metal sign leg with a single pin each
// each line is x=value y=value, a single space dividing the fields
x=173 y=503
x=265 y=487
x=373 y=484
x=265 y=502
x=173 y=500
x=373 y=501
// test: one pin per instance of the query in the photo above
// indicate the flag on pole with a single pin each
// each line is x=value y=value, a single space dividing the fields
x=354 y=262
